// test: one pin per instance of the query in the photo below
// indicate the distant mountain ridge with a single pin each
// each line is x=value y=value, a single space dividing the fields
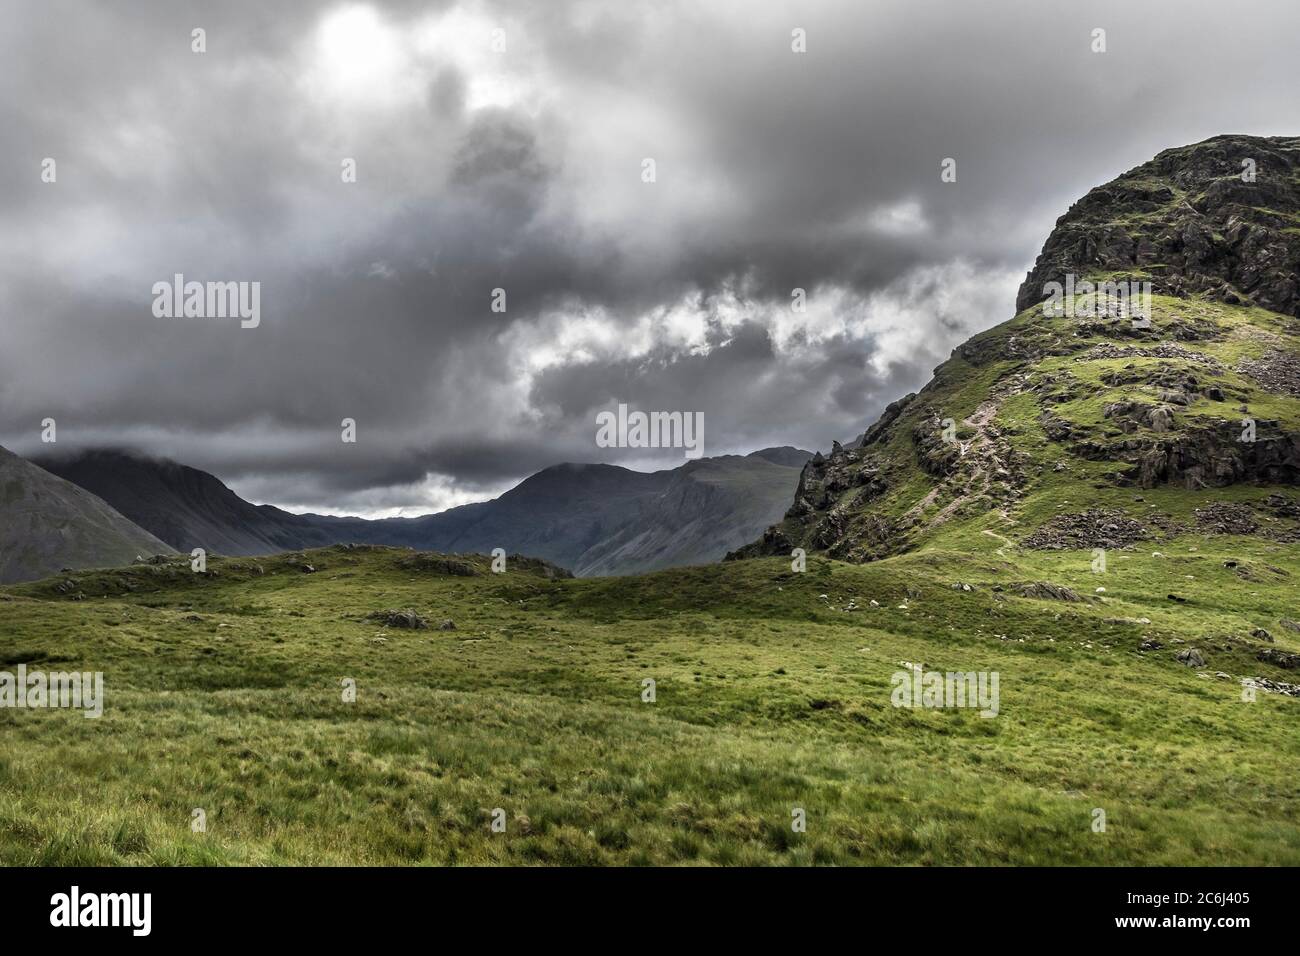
x=47 y=524
x=189 y=508
x=593 y=519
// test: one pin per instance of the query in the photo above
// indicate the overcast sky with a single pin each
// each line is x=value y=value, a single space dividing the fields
x=481 y=168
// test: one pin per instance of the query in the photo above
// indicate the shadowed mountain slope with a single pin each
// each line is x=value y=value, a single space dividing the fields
x=593 y=519
x=47 y=524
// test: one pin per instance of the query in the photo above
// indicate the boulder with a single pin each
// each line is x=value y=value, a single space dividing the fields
x=1046 y=591
x=1279 y=658
x=406 y=619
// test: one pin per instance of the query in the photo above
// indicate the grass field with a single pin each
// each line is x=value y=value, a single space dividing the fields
x=224 y=693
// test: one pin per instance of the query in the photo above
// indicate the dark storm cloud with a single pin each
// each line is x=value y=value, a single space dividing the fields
x=521 y=170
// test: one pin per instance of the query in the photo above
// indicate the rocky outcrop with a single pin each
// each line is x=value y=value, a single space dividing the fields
x=1094 y=528
x=887 y=418
x=1187 y=222
x=438 y=564
x=1279 y=658
x=1047 y=591
x=405 y=619
x=825 y=479
x=1045 y=403
x=938 y=456
x=1206 y=458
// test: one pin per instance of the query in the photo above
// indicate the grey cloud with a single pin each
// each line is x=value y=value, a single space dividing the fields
x=521 y=170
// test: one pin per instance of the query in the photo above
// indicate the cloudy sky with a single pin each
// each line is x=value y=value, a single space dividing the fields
x=501 y=145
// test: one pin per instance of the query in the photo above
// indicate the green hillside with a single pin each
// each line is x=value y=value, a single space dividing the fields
x=1053 y=417
x=223 y=693
x=1095 y=417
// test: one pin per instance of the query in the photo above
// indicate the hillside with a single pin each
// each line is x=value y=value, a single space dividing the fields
x=601 y=519
x=48 y=524
x=189 y=508
x=772 y=692
x=1091 y=431
x=593 y=519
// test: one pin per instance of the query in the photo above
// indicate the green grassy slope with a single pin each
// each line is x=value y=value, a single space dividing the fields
x=1053 y=414
x=223 y=693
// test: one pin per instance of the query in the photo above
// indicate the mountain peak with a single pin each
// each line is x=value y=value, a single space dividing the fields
x=47 y=524
x=1219 y=218
x=785 y=455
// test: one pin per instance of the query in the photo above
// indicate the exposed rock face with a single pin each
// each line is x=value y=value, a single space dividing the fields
x=831 y=488
x=887 y=418
x=1203 y=229
x=1199 y=459
x=936 y=455
x=437 y=564
x=825 y=477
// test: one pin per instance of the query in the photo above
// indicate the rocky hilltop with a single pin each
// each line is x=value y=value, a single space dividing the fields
x=1218 y=219
x=1094 y=428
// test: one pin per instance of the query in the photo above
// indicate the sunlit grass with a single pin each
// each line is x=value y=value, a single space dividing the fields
x=768 y=698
